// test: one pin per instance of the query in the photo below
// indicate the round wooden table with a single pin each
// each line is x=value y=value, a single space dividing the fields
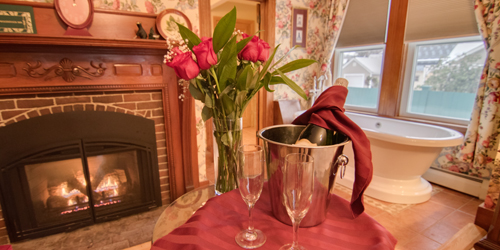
x=179 y=211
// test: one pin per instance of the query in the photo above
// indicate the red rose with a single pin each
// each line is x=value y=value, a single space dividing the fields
x=255 y=50
x=205 y=53
x=264 y=50
x=184 y=65
x=251 y=51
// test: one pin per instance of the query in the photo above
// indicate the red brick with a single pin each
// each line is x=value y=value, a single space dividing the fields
x=2 y=223
x=160 y=136
x=162 y=165
x=130 y=106
x=10 y=122
x=162 y=158
x=149 y=105
x=137 y=97
x=68 y=108
x=156 y=96
x=158 y=120
x=78 y=107
x=56 y=110
x=100 y=108
x=162 y=151
x=34 y=103
x=11 y=113
x=148 y=114
x=164 y=188
x=163 y=181
x=7 y=104
x=163 y=173
x=4 y=240
x=73 y=99
x=20 y=118
x=89 y=107
x=159 y=128
x=119 y=110
x=110 y=109
x=45 y=111
x=158 y=112
x=108 y=99
x=33 y=113
x=165 y=200
x=141 y=113
x=160 y=144
x=130 y=112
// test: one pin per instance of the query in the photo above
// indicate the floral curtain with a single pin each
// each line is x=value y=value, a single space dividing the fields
x=325 y=18
x=478 y=155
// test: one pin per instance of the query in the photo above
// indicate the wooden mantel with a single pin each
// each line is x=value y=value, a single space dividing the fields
x=112 y=44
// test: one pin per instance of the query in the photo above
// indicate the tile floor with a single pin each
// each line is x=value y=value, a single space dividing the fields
x=427 y=225
x=423 y=226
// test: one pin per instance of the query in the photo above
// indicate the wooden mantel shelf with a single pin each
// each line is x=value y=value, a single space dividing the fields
x=24 y=42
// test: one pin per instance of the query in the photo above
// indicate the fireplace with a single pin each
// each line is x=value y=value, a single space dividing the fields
x=63 y=171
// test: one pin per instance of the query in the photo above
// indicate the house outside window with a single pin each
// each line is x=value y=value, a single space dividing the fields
x=362 y=67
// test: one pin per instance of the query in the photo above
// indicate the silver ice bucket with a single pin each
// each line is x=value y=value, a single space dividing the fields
x=278 y=142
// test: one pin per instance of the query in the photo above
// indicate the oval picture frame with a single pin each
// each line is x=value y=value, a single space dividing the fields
x=90 y=15
x=165 y=22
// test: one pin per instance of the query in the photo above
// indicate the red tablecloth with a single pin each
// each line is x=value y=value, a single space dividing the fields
x=214 y=226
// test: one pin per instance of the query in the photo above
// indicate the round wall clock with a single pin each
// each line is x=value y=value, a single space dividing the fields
x=77 y=14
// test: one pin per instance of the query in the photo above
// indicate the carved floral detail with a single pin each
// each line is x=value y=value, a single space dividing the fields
x=65 y=69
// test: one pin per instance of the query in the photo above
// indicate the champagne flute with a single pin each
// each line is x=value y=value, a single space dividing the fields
x=298 y=186
x=250 y=175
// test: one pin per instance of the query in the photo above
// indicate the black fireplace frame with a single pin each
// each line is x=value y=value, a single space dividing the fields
x=65 y=136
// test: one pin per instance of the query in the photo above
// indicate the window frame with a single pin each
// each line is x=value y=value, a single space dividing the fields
x=409 y=75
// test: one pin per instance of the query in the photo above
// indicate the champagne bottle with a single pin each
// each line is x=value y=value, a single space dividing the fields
x=314 y=135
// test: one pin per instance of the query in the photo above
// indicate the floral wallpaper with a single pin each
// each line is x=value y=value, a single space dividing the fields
x=478 y=156
x=324 y=21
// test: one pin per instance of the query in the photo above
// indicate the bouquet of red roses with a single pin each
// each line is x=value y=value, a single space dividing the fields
x=225 y=72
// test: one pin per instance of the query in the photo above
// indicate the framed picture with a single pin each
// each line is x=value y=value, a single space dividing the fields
x=17 y=19
x=299 y=27
x=166 y=23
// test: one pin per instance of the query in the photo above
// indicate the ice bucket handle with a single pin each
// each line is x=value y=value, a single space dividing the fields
x=342 y=161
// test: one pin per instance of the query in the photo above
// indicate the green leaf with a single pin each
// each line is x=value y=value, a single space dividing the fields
x=292 y=85
x=276 y=80
x=240 y=98
x=196 y=93
x=266 y=80
x=241 y=44
x=206 y=113
x=192 y=38
x=227 y=64
x=227 y=103
x=268 y=62
x=242 y=79
x=297 y=64
x=226 y=138
x=224 y=30
x=208 y=101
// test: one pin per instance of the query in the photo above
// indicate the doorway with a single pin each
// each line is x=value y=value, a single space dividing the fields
x=247 y=21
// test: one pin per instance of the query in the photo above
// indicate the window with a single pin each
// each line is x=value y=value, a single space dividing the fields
x=445 y=76
x=362 y=67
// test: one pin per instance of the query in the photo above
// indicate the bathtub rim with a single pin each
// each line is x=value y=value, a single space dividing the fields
x=455 y=138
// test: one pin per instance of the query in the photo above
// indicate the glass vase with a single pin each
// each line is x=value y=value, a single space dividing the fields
x=227 y=139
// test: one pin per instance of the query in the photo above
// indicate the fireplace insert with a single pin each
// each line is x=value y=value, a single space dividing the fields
x=63 y=171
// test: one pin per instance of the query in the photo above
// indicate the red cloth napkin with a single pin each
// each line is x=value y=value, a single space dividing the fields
x=215 y=225
x=328 y=112
x=6 y=247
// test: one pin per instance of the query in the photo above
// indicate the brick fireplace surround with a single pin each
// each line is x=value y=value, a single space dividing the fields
x=49 y=73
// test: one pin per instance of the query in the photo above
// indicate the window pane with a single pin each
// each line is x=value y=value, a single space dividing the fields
x=362 y=68
x=445 y=78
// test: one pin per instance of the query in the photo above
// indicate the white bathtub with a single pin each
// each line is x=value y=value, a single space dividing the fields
x=401 y=151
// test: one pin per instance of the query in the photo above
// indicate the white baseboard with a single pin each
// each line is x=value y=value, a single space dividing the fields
x=459 y=182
